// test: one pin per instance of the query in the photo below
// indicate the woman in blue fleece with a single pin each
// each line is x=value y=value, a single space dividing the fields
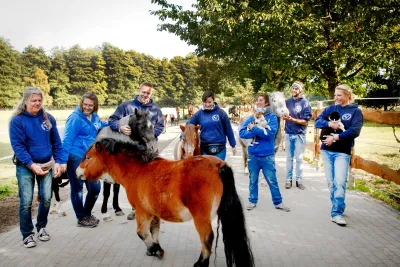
x=35 y=140
x=336 y=148
x=81 y=130
x=261 y=154
x=215 y=127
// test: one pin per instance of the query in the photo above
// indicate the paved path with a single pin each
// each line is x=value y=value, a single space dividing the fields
x=303 y=237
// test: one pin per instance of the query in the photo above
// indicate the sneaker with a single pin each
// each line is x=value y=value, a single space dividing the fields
x=339 y=220
x=300 y=185
x=29 y=242
x=86 y=222
x=288 y=184
x=132 y=215
x=251 y=206
x=43 y=235
x=93 y=218
x=282 y=207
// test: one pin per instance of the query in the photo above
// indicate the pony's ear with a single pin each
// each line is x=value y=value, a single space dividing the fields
x=182 y=127
x=197 y=126
x=98 y=146
x=136 y=112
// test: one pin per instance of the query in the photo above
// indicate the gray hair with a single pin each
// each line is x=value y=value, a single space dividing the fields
x=21 y=106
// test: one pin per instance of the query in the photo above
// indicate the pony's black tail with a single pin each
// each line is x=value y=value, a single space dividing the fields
x=230 y=213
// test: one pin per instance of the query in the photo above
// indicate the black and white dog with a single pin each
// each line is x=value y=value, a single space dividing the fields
x=334 y=116
x=56 y=208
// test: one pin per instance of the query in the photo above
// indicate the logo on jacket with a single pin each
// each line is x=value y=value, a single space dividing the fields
x=96 y=125
x=297 y=108
x=346 y=116
x=44 y=127
x=215 y=117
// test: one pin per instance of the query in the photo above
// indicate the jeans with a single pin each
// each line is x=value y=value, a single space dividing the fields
x=93 y=188
x=221 y=155
x=267 y=164
x=295 y=145
x=336 y=167
x=26 y=185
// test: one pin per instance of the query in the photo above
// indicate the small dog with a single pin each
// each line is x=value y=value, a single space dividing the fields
x=261 y=123
x=56 y=208
x=334 y=116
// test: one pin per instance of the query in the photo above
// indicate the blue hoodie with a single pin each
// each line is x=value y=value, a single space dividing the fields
x=215 y=126
x=80 y=133
x=128 y=108
x=32 y=141
x=352 y=119
x=299 y=108
x=266 y=143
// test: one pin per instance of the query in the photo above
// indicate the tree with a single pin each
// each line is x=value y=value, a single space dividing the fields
x=33 y=58
x=10 y=73
x=330 y=41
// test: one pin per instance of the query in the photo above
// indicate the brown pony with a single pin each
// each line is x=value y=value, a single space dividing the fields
x=197 y=188
x=189 y=145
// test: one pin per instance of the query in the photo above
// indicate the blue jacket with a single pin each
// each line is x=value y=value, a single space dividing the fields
x=352 y=119
x=215 y=126
x=266 y=143
x=299 y=108
x=128 y=108
x=32 y=141
x=80 y=133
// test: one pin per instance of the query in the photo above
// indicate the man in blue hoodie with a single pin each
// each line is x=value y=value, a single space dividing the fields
x=37 y=146
x=262 y=154
x=295 y=137
x=143 y=102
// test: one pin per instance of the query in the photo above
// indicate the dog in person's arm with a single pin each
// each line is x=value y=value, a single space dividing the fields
x=334 y=116
x=261 y=123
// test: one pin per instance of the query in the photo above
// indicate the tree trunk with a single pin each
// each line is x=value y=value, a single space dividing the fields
x=332 y=83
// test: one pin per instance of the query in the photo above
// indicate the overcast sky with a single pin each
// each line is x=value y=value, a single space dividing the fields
x=126 y=24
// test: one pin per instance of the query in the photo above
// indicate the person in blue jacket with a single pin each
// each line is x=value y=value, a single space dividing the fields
x=81 y=129
x=336 y=148
x=37 y=146
x=295 y=137
x=261 y=154
x=143 y=102
x=215 y=127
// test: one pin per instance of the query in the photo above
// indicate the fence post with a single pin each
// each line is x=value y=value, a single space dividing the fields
x=317 y=156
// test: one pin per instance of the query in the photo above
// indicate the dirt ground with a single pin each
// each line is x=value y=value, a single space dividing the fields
x=9 y=209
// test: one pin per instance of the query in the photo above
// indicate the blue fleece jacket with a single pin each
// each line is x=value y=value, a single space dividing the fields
x=352 y=119
x=80 y=133
x=264 y=144
x=128 y=108
x=32 y=141
x=215 y=126
x=299 y=108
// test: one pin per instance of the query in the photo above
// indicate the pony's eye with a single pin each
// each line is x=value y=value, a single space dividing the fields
x=87 y=158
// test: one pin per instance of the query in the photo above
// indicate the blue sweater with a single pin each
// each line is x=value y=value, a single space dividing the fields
x=80 y=133
x=32 y=141
x=128 y=108
x=352 y=119
x=299 y=108
x=266 y=143
x=215 y=126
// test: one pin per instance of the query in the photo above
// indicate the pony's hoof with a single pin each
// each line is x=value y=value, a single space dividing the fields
x=107 y=217
x=160 y=254
x=119 y=213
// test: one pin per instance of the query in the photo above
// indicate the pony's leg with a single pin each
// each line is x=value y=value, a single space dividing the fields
x=106 y=195
x=144 y=221
x=203 y=226
x=155 y=230
x=118 y=210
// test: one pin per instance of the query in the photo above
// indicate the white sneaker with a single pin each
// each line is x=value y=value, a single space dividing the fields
x=43 y=235
x=251 y=206
x=339 y=220
x=29 y=241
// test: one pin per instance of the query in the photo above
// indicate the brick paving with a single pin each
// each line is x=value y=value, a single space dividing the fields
x=303 y=237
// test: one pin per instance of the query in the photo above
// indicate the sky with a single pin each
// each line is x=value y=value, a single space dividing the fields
x=126 y=24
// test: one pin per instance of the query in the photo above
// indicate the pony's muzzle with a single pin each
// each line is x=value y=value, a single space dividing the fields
x=79 y=174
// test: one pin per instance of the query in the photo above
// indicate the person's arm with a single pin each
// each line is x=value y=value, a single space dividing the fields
x=17 y=140
x=273 y=124
x=244 y=132
x=71 y=131
x=159 y=125
x=113 y=120
x=194 y=119
x=355 y=128
x=56 y=143
x=321 y=122
x=228 y=129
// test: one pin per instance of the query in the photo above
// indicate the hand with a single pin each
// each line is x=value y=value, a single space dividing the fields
x=38 y=170
x=329 y=140
x=234 y=151
x=334 y=125
x=125 y=129
x=287 y=118
x=63 y=167
x=57 y=170
x=250 y=126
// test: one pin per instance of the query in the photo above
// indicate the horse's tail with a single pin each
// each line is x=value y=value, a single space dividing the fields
x=230 y=213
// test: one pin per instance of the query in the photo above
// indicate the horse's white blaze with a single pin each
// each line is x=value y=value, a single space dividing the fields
x=185 y=214
x=107 y=178
x=214 y=208
x=79 y=173
x=149 y=123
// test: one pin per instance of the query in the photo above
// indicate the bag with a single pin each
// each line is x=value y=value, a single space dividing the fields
x=16 y=161
x=213 y=149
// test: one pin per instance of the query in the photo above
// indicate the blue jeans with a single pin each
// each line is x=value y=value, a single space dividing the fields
x=93 y=188
x=295 y=145
x=221 y=155
x=26 y=185
x=267 y=164
x=336 y=167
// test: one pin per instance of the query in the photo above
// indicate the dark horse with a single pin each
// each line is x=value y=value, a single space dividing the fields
x=195 y=188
